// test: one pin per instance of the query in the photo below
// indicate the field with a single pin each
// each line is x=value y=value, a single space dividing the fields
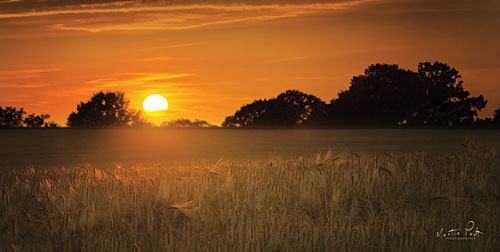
x=104 y=148
x=328 y=201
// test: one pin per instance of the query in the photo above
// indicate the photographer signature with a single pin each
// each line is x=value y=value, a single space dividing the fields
x=468 y=233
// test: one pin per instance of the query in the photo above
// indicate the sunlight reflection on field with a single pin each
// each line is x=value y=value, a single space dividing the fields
x=21 y=148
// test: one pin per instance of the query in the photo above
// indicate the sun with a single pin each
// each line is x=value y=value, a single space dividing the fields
x=155 y=105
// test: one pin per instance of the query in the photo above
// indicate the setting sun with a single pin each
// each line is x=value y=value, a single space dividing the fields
x=155 y=105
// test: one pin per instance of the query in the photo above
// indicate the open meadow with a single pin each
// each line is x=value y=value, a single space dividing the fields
x=322 y=201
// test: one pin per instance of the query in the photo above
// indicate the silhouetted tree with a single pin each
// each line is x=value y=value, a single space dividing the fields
x=388 y=95
x=10 y=117
x=109 y=109
x=446 y=103
x=288 y=109
x=385 y=94
x=50 y=124
x=486 y=122
x=36 y=121
x=297 y=107
x=186 y=123
x=496 y=116
x=247 y=114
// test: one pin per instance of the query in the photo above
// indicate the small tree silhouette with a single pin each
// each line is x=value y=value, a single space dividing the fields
x=10 y=117
x=496 y=116
x=36 y=121
x=186 y=123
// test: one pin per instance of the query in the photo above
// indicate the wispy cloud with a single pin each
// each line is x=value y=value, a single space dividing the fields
x=395 y=7
x=287 y=59
x=171 y=21
x=313 y=78
x=32 y=85
x=24 y=78
x=120 y=16
x=116 y=15
x=136 y=79
x=9 y=1
x=134 y=6
x=169 y=46
x=28 y=71
x=153 y=59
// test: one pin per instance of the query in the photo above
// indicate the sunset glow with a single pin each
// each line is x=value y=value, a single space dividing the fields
x=212 y=57
x=249 y=125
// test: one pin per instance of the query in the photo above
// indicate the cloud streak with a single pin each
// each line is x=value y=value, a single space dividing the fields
x=27 y=71
x=100 y=9
x=32 y=85
x=124 y=16
x=287 y=59
x=24 y=78
x=113 y=15
x=136 y=79
x=170 y=46
x=155 y=59
x=20 y=6
x=9 y=1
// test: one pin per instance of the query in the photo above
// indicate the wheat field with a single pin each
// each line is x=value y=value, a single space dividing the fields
x=347 y=202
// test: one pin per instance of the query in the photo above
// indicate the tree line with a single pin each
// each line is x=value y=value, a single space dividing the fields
x=385 y=95
x=11 y=117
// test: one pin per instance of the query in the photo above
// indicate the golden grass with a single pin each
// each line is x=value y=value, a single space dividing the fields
x=351 y=202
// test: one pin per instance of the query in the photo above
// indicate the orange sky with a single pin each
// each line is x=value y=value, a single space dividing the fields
x=209 y=59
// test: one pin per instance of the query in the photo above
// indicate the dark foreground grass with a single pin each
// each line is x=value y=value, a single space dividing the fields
x=351 y=202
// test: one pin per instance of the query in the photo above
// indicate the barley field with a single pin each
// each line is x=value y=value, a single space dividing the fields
x=325 y=202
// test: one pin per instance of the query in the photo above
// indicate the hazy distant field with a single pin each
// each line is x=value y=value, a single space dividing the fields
x=45 y=148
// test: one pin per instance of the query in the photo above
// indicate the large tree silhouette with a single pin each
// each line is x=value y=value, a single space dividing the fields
x=446 y=103
x=385 y=94
x=288 y=109
x=104 y=109
x=388 y=95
